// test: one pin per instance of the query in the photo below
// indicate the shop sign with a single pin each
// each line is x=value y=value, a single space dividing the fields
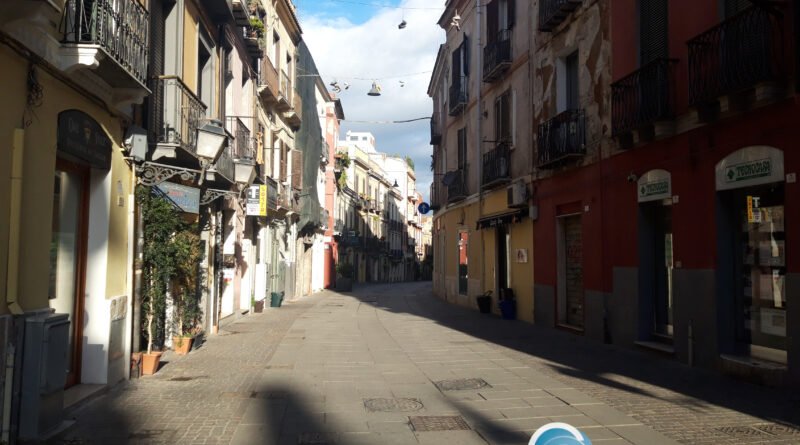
x=82 y=137
x=655 y=185
x=186 y=198
x=753 y=210
x=257 y=200
x=750 y=166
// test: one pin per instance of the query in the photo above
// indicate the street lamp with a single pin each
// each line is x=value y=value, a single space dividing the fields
x=244 y=171
x=211 y=139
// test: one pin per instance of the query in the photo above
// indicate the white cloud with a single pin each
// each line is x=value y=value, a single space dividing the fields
x=378 y=49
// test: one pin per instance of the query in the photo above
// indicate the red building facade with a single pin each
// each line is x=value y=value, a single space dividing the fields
x=667 y=213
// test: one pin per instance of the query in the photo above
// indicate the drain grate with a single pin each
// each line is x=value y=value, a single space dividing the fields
x=392 y=405
x=461 y=384
x=438 y=423
x=742 y=432
x=778 y=430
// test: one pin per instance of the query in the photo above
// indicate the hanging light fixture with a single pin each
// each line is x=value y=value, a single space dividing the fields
x=402 y=25
x=375 y=90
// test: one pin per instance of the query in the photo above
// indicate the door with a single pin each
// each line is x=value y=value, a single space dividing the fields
x=68 y=255
x=570 y=271
x=463 y=267
x=502 y=278
x=662 y=279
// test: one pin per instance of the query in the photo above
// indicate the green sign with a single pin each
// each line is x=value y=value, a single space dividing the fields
x=748 y=170
x=654 y=188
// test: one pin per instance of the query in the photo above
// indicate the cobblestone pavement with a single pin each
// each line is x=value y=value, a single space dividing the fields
x=392 y=364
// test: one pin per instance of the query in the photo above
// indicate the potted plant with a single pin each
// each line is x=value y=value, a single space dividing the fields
x=256 y=27
x=485 y=302
x=344 y=277
x=258 y=306
x=160 y=222
x=508 y=304
x=188 y=250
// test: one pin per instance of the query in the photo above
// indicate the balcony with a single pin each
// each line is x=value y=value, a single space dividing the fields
x=436 y=199
x=114 y=34
x=497 y=56
x=294 y=115
x=562 y=138
x=285 y=101
x=268 y=82
x=497 y=165
x=553 y=12
x=241 y=12
x=739 y=53
x=458 y=95
x=456 y=182
x=253 y=41
x=436 y=131
x=242 y=142
x=178 y=114
x=286 y=200
x=644 y=97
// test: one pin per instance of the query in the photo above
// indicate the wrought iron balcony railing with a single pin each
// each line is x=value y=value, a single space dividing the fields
x=456 y=182
x=181 y=113
x=242 y=143
x=645 y=96
x=497 y=165
x=497 y=56
x=436 y=131
x=553 y=12
x=736 y=54
x=458 y=95
x=119 y=27
x=268 y=82
x=561 y=138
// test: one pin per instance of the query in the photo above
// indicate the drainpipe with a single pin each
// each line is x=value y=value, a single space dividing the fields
x=15 y=216
x=479 y=133
x=133 y=343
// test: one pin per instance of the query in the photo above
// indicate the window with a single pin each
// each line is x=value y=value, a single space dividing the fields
x=499 y=17
x=568 y=94
x=653 y=30
x=462 y=149
x=276 y=51
x=460 y=67
x=354 y=138
x=502 y=117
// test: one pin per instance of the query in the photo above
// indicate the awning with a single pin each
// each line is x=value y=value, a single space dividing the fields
x=502 y=219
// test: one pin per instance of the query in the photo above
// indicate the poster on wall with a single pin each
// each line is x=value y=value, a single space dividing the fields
x=257 y=200
x=522 y=255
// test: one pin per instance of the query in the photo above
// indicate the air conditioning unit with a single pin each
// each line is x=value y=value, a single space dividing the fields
x=518 y=194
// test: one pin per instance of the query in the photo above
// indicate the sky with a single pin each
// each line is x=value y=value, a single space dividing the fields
x=356 y=41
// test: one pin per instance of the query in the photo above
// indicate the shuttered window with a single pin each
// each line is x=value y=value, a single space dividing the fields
x=653 y=30
x=573 y=95
x=297 y=169
x=502 y=117
x=462 y=149
x=499 y=17
x=492 y=24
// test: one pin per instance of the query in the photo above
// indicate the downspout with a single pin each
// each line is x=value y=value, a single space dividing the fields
x=479 y=133
x=130 y=275
x=15 y=217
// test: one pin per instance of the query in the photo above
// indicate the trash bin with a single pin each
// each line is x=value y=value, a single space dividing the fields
x=484 y=303
x=276 y=299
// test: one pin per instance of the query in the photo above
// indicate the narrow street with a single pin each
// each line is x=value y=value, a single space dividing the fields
x=392 y=364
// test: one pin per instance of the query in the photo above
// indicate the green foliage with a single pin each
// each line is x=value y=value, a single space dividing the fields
x=188 y=255
x=342 y=179
x=344 y=270
x=257 y=25
x=343 y=159
x=410 y=162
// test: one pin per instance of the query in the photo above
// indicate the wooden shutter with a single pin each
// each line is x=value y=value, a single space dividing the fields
x=653 y=30
x=573 y=93
x=462 y=149
x=456 y=67
x=297 y=169
x=465 y=54
x=491 y=21
x=512 y=11
x=156 y=68
x=505 y=118
x=284 y=156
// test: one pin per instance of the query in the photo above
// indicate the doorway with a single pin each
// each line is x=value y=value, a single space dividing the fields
x=68 y=255
x=655 y=268
x=503 y=273
x=463 y=266
x=570 y=272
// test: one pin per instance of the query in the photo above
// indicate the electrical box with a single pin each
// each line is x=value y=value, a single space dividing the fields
x=518 y=194
x=44 y=374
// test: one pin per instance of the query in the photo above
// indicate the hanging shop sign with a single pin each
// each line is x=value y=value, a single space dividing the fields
x=753 y=209
x=655 y=185
x=82 y=137
x=187 y=199
x=257 y=200
x=750 y=166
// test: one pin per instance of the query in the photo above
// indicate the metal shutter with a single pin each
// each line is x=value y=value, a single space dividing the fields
x=491 y=21
x=653 y=30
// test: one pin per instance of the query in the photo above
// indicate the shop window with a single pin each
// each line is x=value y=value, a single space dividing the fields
x=570 y=271
x=463 y=267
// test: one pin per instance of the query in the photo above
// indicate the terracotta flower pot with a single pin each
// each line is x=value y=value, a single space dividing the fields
x=181 y=345
x=150 y=362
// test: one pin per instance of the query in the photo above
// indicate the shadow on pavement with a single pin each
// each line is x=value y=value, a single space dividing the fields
x=577 y=357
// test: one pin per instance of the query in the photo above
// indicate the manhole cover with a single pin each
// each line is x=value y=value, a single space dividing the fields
x=461 y=384
x=778 y=430
x=741 y=431
x=392 y=405
x=438 y=423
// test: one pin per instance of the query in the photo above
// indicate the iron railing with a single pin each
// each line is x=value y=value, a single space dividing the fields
x=436 y=199
x=269 y=77
x=458 y=95
x=497 y=56
x=497 y=164
x=436 y=131
x=457 y=187
x=242 y=143
x=119 y=27
x=561 y=138
x=286 y=88
x=645 y=96
x=737 y=53
x=181 y=113
x=553 y=12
